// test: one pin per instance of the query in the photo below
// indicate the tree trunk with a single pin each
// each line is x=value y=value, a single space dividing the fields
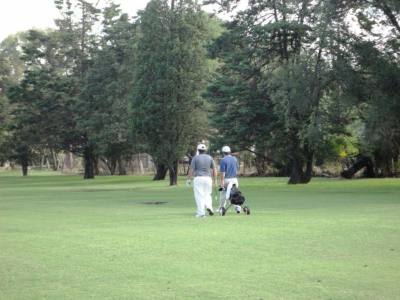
x=96 y=169
x=42 y=161
x=387 y=167
x=89 y=163
x=68 y=161
x=161 y=171
x=121 y=166
x=298 y=156
x=54 y=160
x=309 y=167
x=296 y=174
x=113 y=165
x=260 y=164
x=173 y=173
x=24 y=165
x=361 y=162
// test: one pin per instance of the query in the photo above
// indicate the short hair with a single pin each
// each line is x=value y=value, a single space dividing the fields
x=202 y=151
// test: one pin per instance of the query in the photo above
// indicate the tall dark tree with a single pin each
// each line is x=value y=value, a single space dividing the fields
x=381 y=106
x=171 y=73
x=375 y=64
x=280 y=51
x=242 y=109
x=108 y=89
x=77 y=42
x=40 y=106
x=11 y=71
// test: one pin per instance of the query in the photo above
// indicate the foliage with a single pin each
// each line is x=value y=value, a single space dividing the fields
x=382 y=105
x=297 y=83
x=108 y=89
x=277 y=90
x=11 y=71
x=171 y=68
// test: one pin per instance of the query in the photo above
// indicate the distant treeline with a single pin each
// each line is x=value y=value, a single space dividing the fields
x=295 y=83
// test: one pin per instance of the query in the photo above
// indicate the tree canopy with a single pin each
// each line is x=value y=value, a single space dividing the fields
x=296 y=83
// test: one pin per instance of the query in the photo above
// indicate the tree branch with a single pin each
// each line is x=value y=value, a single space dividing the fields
x=388 y=12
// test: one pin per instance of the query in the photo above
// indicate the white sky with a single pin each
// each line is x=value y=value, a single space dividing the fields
x=19 y=15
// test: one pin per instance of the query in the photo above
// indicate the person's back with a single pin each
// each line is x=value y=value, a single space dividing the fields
x=228 y=168
x=229 y=165
x=202 y=168
x=202 y=165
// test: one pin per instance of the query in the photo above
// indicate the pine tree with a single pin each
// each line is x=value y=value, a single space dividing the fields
x=77 y=42
x=40 y=107
x=171 y=73
x=277 y=71
x=108 y=90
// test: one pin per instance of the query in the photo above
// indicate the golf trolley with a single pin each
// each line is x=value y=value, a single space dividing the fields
x=235 y=198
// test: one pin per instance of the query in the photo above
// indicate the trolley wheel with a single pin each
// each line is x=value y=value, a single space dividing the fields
x=246 y=210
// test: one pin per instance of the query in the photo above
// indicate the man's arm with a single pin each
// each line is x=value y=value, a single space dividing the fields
x=222 y=180
x=213 y=171
x=222 y=169
x=214 y=174
x=191 y=168
x=190 y=173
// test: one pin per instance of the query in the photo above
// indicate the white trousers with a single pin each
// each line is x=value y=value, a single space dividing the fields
x=224 y=194
x=202 y=187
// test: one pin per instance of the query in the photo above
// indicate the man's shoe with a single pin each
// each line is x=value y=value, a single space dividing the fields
x=210 y=212
x=200 y=216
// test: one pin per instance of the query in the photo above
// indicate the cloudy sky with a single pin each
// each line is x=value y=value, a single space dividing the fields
x=18 y=15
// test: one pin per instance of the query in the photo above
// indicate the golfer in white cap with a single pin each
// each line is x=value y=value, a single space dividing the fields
x=228 y=170
x=203 y=169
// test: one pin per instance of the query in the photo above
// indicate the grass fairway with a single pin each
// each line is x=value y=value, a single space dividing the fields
x=65 y=238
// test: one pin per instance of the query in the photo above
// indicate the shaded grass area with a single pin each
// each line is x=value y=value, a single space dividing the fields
x=65 y=238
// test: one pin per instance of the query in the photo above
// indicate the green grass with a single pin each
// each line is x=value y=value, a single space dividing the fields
x=65 y=238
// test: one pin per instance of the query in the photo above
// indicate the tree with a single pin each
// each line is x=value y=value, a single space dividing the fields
x=241 y=106
x=40 y=110
x=171 y=72
x=381 y=108
x=77 y=41
x=284 y=54
x=375 y=64
x=11 y=71
x=108 y=89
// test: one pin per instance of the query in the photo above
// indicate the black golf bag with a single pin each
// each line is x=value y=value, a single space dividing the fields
x=236 y=198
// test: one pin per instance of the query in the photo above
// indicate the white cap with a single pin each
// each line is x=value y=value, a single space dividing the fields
x=201 y=147
x=226 y=149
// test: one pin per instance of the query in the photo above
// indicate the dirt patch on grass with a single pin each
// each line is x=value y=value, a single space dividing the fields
x=154 y=202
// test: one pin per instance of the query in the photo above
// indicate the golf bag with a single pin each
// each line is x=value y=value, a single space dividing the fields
x=236 y=198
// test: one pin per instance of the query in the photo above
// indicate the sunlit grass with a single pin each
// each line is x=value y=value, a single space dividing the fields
x=65 y=238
